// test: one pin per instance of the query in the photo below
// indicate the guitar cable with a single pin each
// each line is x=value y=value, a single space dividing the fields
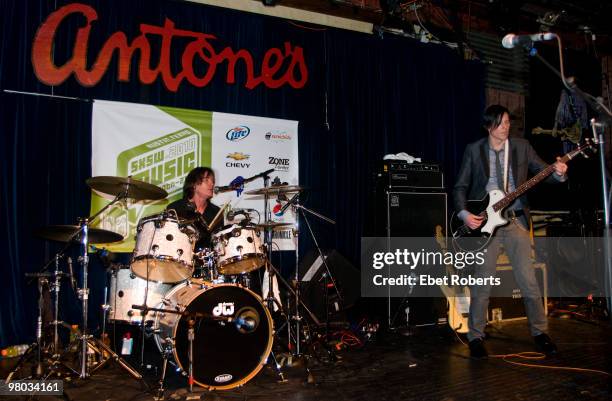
x=535 y=356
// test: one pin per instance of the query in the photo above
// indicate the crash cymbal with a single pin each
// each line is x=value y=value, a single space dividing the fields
x=279 y=189
x=274 y=225
x=63 y=233
x=136 y=189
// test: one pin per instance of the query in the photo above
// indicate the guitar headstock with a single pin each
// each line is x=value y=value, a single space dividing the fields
x=586 y=148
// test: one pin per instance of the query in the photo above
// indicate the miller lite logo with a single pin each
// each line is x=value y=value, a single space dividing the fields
x=237 y=133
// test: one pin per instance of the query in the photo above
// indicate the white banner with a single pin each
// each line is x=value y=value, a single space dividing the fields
x=160 y=145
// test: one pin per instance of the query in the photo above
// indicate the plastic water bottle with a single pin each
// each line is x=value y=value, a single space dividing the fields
x=14 y=350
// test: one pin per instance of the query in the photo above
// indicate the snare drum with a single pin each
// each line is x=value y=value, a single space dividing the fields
x=164 y=249
x=239 y=249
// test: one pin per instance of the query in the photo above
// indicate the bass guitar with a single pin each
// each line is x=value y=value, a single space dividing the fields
x=493 y=204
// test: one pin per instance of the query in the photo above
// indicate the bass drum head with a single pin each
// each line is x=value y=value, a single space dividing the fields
x=224 y=355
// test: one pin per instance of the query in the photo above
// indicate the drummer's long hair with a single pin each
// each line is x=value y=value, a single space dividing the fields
x=195 y=177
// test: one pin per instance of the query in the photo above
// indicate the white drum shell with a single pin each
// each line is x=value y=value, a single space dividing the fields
x=239 y=249
x=164 y=249
x=126 y=290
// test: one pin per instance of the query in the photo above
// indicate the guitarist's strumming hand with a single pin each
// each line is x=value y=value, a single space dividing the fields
x=560 y=167
x=473 y=221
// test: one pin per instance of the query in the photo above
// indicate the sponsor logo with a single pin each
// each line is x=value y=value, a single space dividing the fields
x=223 y=378
x=277 y=210
x=280 y=164
x=238 y=156
x=223 y=309
x=277 y=136
x=237 y=165
x=285 y=234
x=237 y=133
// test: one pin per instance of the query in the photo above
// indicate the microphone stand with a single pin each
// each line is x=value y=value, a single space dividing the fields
x=327 y=275
x=605 y=118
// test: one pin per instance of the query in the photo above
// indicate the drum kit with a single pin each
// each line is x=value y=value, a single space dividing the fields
x=196 y=303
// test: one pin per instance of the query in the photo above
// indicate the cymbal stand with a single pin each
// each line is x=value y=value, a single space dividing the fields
x=190 y=338
x=300 y=209
x=37 y=371
x=83 y=293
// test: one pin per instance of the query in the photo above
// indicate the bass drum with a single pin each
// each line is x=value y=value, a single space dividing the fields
x=225 y=354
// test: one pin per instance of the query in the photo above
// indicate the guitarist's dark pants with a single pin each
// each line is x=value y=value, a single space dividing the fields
x=515 y=239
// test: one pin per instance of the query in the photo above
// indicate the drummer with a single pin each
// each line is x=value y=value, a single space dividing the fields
x=195 y=205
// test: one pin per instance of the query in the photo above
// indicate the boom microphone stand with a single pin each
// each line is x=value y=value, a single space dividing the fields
x=597 y=125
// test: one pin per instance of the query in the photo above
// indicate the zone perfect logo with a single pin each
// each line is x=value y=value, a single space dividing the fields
x=280 y=164
x=237 y=133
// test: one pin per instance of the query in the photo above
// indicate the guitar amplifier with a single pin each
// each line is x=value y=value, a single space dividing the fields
x=397 y=174
x=506 y=302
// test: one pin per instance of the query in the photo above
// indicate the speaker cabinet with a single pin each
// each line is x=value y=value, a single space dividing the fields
x=415 y=214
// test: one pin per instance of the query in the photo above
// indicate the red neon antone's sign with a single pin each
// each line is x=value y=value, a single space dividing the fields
x=279 y=66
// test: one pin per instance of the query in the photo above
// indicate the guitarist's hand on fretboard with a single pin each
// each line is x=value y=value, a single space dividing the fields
x=560 y=167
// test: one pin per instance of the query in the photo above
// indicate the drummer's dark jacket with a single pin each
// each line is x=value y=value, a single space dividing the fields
x=186 y=210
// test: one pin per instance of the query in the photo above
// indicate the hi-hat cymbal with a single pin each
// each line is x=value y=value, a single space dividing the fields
x=136 y=189
x=273 y=225
x=64 y=233
x=279 y=189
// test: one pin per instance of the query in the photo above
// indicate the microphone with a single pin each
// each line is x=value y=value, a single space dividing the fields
x=234 y=185
x=236 y=212
x=245 y=325
x=239 y=182
x=247 y=320
x=72 y=279
x=510 y=41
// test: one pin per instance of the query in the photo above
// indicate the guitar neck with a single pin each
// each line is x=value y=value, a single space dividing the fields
x=532 y=182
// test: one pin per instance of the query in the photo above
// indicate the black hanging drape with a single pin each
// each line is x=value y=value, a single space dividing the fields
x=365 y=97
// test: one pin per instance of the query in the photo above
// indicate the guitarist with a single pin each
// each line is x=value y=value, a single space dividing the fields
x=483 y=169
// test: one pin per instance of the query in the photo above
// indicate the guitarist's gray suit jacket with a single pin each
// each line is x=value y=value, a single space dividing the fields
x=474 y=172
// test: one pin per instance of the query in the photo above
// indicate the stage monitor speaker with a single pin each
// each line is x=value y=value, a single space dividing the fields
x=346 y=276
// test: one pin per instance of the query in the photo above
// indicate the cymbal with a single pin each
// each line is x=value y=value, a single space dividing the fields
x=138 y=190
x=63 y=233
x=279 y=189
x=273 y=225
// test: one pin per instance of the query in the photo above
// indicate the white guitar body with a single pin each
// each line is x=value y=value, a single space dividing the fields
x=494 y=219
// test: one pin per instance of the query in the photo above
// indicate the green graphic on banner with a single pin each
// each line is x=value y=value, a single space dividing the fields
x=164 y=161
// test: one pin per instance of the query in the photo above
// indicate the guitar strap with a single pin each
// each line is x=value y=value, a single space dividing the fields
x=506 y=154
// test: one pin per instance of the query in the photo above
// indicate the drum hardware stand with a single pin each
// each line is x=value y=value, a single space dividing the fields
x=327 y=275
x=190 y=338
x=83 y=293
x=37 y=370
x=162 y=379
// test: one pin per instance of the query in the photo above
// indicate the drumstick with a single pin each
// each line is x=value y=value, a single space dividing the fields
x=216 y=219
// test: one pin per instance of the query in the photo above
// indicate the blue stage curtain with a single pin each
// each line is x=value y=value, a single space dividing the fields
x=366 y=96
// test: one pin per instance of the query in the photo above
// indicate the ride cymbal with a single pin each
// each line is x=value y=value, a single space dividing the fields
x=273 y=225
x=279 y=189
x=136 y=189
x=65 y=233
